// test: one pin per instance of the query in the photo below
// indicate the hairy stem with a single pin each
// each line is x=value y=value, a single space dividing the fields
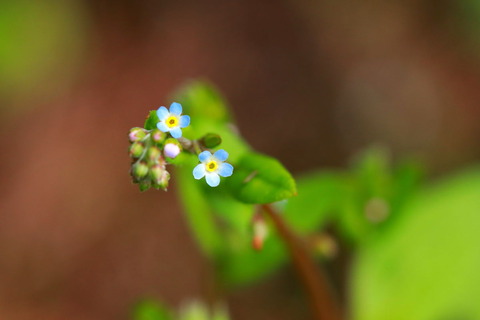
x=323 y=303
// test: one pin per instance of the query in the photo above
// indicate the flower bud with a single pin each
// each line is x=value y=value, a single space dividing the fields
x=171 y=150
x=136 y=149
x=136 y=134
x=211 y=140
x=144 y=185
x=153 y=154
x=159 y=176
x=158 y=136
x=260 y=232
x=140 y=170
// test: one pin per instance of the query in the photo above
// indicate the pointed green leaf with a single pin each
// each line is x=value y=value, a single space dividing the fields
x=261 y=179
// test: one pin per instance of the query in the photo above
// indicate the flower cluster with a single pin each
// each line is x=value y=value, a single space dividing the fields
x=151 y=150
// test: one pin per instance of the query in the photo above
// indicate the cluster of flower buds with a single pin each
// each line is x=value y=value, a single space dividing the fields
x=150 y=151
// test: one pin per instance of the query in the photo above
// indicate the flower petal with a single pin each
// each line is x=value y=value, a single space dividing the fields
x=162 y=113
x=221 y=155
x=225 y=169
x=176 y=108
x=184 y=121
x=213 y=179
x=176 y=132
x=204 y=156
x=162 y=126
x=199 y=171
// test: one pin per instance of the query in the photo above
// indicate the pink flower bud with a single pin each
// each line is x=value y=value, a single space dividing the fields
x=136 y=134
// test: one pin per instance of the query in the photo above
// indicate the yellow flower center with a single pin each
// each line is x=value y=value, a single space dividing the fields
x=172 y=121
x=211 y=166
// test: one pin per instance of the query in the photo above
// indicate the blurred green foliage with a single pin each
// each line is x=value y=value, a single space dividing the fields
x=468 y=21
x=358 y=202
x=194 y=310
x=414 y=247
x=426 y=265
x=151 y=310
x=39 y=40
x=221 y=218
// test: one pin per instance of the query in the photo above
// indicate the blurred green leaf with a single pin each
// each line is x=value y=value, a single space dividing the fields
x=319 y=195
x=194 y=310
x=261 y=179
x=244 y=265
x=233 y=215
x=201 y=100
x=220 y=313
x=373 y=170
x=197 y=310
x=151 y=121
x=426 y=266
x=374 y=193
x=39 y=41
x=151 y=310
x=466 y=14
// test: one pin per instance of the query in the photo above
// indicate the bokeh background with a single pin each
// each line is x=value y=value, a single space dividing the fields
x=309 y=82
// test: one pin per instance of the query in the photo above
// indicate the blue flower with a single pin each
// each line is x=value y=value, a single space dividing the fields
x=172 y=121
x=212 y=167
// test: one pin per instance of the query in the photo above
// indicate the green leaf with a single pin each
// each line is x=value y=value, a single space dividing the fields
x=261 y=179
x=426 y=266
x=373 y=170
x=150 y=310
x=244 y=265
x=374 y=194
x=319 y=196
x=152 y=120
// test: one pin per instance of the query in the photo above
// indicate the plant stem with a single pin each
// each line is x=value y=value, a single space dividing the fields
x=322 y=301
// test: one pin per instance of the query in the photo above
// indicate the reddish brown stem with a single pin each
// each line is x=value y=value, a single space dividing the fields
x=323 y=303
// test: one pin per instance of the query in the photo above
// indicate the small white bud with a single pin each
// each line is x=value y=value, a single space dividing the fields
x=171 y=150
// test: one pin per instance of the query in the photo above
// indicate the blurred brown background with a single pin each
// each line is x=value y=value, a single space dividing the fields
x=310 y=82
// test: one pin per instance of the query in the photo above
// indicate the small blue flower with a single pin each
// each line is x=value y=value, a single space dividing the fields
x=212 y=167
x=172 y=121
